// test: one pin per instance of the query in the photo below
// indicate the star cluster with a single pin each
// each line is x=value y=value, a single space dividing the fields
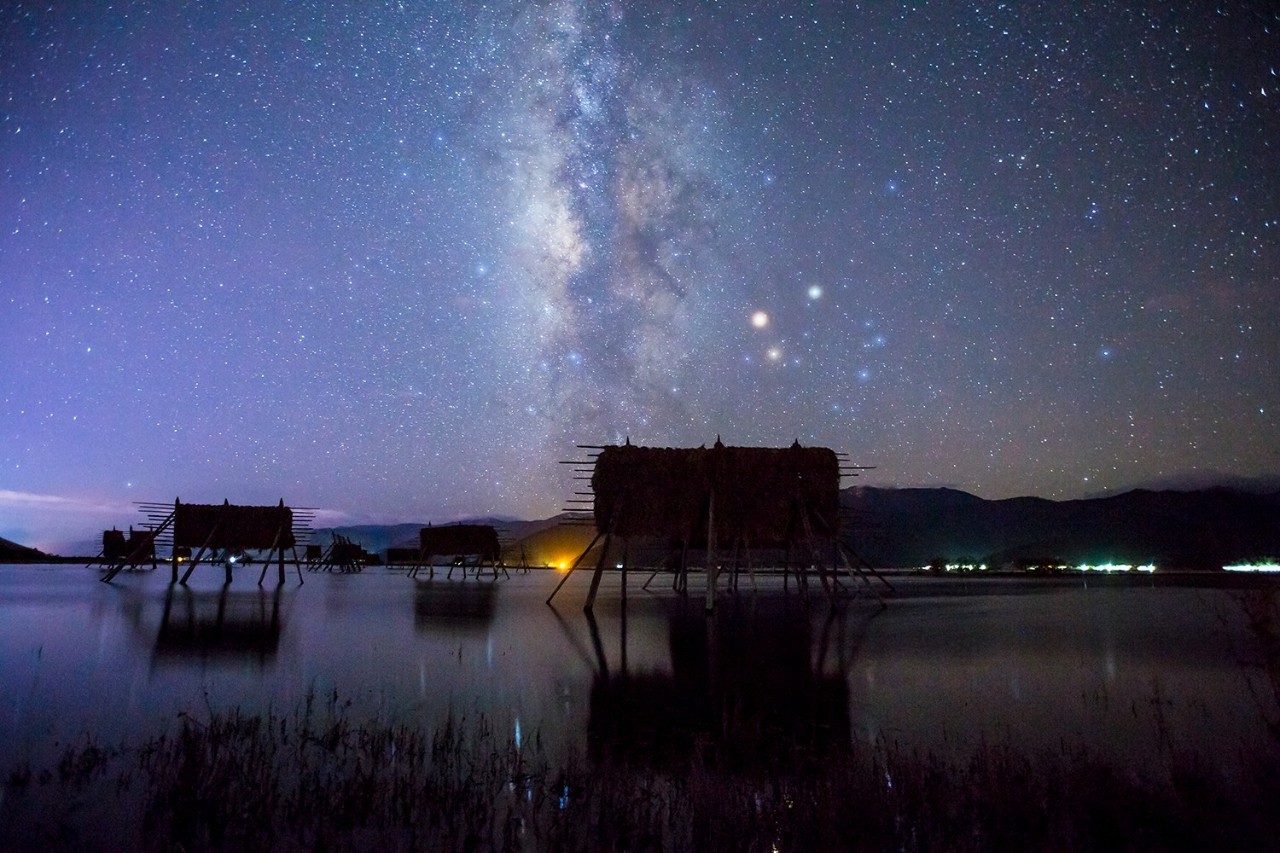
x=395 y=261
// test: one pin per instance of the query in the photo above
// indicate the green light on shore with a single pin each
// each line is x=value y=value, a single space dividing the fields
x=1107 y=568
x=1116 y=567
x=955 y=567
x=1270 y=566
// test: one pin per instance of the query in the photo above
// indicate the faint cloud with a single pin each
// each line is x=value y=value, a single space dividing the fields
x=329 y=517
x=59 y=503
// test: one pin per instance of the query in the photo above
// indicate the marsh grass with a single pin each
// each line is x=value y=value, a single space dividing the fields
x=316 y=778
x=324 y=777
x=1260 y=660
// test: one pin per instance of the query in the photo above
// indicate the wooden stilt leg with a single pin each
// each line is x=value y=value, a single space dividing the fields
x=196 y=559
x=626 y=547
x=595 y=578
x=573 y=566
x=710 y=603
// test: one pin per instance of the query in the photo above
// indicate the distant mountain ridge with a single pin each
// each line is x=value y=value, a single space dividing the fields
x=12 y=552
x=906 y=527
x=1203 y=480
x=1197 y=529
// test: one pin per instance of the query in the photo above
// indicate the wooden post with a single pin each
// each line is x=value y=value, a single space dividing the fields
x=711 y=552
x=626 y=552
x=751 y=567
x=279 y=538
x=681 y=582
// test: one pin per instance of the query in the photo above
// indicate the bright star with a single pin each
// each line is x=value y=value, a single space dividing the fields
x=759 y=319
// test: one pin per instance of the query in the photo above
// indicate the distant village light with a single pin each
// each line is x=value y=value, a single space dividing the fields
x=1253 y=567
x=1111 y=568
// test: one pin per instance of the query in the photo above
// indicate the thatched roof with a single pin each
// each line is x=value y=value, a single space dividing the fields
x=760 y=492
x=229 y=526
x=457 y=539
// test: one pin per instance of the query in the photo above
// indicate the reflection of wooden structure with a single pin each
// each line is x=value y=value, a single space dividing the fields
x=454 y=608
x=220 y=625
x=218 y=531
x=749 y=689
x=467 y=545
x=703 y=499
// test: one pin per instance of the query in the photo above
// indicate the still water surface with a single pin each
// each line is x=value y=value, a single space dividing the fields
x=1128 y=671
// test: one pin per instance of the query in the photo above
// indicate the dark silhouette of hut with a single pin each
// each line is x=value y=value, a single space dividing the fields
x=741 y=498
x=313 y=553
x=222 y=529
x=119 y=552
x=137 y=548
x=113 y=544
x=402 y=557
x=467 y=545
x=342 y=555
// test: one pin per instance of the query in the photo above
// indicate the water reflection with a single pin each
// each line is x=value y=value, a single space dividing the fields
x=748 y=688
x=234 y=626
x=452 y=607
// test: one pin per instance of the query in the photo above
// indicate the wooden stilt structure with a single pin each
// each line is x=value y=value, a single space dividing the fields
x=145 y=546
x=342 y=555
x=277 y=545
x=477 y=542
x=220 y=531
x=787 y=498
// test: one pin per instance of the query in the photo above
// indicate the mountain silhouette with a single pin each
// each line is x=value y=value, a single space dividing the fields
x=1201 y=529
x=12 y=552
x=911 y=527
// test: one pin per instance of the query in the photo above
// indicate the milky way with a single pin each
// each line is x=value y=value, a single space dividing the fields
x=394 y=262
x=612 y=218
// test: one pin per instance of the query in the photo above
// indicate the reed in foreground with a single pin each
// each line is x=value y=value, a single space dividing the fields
x=317 y=779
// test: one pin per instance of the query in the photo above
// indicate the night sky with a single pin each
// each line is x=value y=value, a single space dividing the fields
x=394 y=261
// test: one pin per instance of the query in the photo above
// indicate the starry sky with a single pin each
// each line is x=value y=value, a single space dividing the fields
x=394 y=261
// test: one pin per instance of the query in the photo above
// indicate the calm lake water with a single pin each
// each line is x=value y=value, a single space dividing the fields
x=1128 y=670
